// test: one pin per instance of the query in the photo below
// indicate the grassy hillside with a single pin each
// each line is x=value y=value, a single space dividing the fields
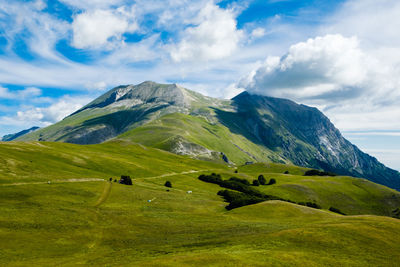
x=93 y=222
x=170 y=130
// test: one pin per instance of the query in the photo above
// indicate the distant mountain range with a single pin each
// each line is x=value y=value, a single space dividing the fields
x=248 y=128
x=11 y=137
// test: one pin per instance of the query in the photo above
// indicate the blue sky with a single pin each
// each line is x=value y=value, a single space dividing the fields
x=340 y=56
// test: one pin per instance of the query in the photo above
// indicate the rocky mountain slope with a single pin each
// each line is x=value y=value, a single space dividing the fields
x=248 y=128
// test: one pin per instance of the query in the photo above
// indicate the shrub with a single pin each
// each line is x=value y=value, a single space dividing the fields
x=318 y=173
x=310 y=204
x=168 y=184
x=271 y=181
x=237 y=200
x=336 y=210
x=236 y=171
x=243 y=181
x=261 y=179
x=286 y=172
x=213 y=178
x=125 y=180
x=256 y=183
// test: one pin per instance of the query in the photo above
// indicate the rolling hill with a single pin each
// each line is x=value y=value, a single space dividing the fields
x=58 y=208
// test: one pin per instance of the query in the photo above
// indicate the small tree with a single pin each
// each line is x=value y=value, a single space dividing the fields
x=168 y=184
x=272 y=181
x=261 y=179
x=256 y=183
x=286 y=172
x=236 y=171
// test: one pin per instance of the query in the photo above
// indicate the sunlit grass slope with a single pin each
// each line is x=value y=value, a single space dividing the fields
x=165 y=132
x=99 y=223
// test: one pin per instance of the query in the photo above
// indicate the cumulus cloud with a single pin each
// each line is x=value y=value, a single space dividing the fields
x=102 y=28
x=323 y=67
x=44 y=116
x=215 y=36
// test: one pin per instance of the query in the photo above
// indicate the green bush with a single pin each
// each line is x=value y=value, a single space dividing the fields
x=271 y=181
x=336 y=210
x=318 y=173
x=286 y=172
x=168 y=184
x=256 y=183
x=261 y=179
x=243 y=181
x=125 y=180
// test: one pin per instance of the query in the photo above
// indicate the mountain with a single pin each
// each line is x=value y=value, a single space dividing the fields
x=248 y=128
x=11 y=137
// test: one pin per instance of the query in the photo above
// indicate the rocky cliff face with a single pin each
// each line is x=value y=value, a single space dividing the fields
x=306 y=137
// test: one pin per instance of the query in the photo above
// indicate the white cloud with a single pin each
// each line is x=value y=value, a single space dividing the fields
x=317 y=68
x=215 y=36
x=47 y=115
x=28 y=92
x=99 y=28
x=258 y=32
x=92 y=4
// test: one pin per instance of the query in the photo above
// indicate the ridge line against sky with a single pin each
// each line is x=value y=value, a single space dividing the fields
x=340 y=56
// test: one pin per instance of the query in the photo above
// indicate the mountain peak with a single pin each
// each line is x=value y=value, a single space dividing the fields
x=144 y=93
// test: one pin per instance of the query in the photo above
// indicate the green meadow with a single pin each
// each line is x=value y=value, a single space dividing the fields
x=58 y=208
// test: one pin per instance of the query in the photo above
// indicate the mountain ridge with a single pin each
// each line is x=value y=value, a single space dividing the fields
x=247 y=128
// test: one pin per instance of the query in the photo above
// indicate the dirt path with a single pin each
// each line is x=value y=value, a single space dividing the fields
x=80 y=180
x=75 y=180
x=106 y=192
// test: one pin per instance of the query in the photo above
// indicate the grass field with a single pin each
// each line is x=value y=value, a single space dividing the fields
x=79 y=219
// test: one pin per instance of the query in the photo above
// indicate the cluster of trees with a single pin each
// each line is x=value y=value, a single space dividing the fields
x=247 y=195
x=262 y=181
x=238 y=199
x=318 y=173
x=234 y=183
x=336 y=210
x=310 y=204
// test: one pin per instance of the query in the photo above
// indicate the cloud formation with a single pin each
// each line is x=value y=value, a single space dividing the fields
x=215 y=36
x=326 y=67
x=99 y=28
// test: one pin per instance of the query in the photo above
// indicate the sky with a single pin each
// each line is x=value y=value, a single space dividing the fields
x=340 y=56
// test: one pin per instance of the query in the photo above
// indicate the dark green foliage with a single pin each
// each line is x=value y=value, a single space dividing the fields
x=237 y=199
x=286 y=172
x=396 y=213
x=246 y=195
x=256 y=183
x=125 y=180
x=213 y=178
x=168 y=184
x=110 y=179
x=115 y=180
x=318 y=173
x=261 y=179
x=243 y=181
x=310 y=204
x=271 y=181
x=236 y=171
x=336 y=210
